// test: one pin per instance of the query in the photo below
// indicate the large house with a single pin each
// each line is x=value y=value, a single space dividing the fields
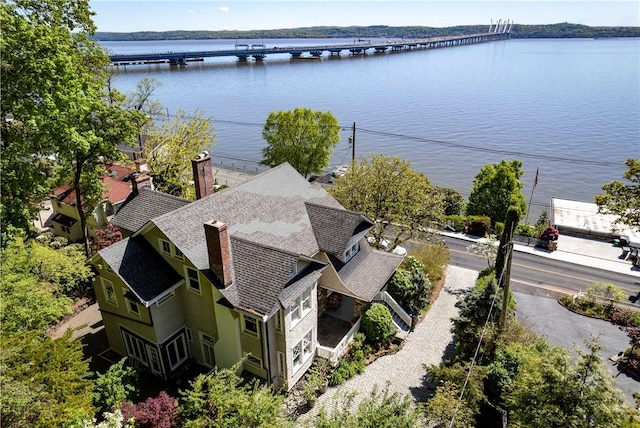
x=118 y=184
x=272 y=272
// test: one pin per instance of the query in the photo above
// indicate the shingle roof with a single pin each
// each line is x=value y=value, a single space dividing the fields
x=368 y=271
x=140 y=267
x=139 y=208
x=261 y=275
x=334 y=227
x=268 y=210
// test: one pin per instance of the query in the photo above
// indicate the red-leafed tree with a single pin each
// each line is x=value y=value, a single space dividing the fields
x=159 y=412
x=105 y=237
x=634 y=337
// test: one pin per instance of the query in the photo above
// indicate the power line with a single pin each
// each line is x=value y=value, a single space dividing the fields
x=548 y=158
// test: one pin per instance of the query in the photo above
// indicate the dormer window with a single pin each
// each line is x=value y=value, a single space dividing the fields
x=352 y=251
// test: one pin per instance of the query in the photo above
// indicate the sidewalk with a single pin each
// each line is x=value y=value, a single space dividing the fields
x=580 y=251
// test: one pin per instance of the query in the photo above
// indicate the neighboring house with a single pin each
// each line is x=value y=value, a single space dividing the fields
x=274 y=271
x=117 y=186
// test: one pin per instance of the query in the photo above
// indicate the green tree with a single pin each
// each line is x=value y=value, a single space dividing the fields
x=53 y=89
x=220 y=400
x=381 y=409
x=623 y=200
x=32 y=279
x=45 y=382
x=302 y=137
x=141 y=100
x=170 y=149
x=496 y=188
x=409 y=285
x=387 y=190
x=453 y=201
x=115 y=386
x=377 y=324
x=552 y=390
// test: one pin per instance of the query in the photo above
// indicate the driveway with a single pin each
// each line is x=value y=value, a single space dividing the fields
x=569 y=330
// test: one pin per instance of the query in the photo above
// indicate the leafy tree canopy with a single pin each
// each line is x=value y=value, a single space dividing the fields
x=170 y=149
x=496 y=188
x=115 y=386
x=302 y=137
x=220 y=400
x=53 y=92
x=390 y=192
x=35 y=282
x=623 y=200
x=45 y=382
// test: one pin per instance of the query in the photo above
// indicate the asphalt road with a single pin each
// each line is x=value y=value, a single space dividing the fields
x=543 y=276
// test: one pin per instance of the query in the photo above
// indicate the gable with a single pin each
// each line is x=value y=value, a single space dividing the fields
x=336 y=229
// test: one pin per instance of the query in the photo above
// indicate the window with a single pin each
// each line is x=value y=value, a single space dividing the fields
x=166 y=246
x=193 y=282
x=154 y=360
x=133 y=307
x=165 y=298
x=208 y=352
x=135 y=347
x=177 y=351
x=281 y=365
x=302 y=305
x=189 y=335
x=179 y=254
x=306 y=301
x=109 y=292
x=250 y=325
x=251 y=359
x=348 y=255
x=278 y=322
x=303 y=350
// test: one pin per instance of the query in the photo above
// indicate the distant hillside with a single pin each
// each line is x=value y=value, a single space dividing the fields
x=564 y=30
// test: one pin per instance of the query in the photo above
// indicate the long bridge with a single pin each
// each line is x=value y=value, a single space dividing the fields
x=360 y=47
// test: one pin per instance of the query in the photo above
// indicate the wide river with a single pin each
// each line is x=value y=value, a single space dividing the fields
x=570 y=107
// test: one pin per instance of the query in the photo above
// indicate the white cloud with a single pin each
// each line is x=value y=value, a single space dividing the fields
x=190 y=11
x=223 y=9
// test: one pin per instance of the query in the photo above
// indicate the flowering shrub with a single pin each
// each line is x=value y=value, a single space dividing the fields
x=159 y=412
x=549 y=233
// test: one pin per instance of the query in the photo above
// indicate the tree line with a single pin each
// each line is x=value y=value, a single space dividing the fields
x=519 y=31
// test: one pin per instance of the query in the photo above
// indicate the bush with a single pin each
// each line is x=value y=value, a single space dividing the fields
x=478 y=225
x=377 y=324
x=115 y=386
x=159 y=412
x=410 y=287
x=549 y=233
x=625 y=317
x=435 y=259
x=499 y=229
x=353 y=364
x=456 y=222
x=526 y=230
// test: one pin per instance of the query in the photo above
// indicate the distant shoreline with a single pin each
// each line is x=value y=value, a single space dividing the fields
x=563 y=30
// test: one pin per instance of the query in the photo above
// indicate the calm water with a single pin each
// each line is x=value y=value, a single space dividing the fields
x=568 y=107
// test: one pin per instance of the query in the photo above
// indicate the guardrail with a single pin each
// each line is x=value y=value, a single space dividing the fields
x=385 y=297
x=333 y=354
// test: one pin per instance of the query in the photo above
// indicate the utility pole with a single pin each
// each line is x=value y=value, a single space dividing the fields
x=353 y=143
x=505 y=284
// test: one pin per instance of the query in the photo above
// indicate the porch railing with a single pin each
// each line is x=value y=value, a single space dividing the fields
x=385 y=297
x=333 y=354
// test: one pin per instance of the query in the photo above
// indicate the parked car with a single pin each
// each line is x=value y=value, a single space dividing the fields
x=401 y=251
x=339 y=171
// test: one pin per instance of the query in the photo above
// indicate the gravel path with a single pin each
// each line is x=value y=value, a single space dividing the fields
x=430 y=343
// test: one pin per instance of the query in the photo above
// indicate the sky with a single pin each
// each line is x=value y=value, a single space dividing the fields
x=165 y=15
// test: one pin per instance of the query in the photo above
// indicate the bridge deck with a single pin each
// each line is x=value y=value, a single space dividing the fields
x=245 y=51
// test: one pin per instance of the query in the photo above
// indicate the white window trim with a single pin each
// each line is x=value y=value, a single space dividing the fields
x=131 y=311
x=244 y=326
x=302 y=347
x=105 y=284
x=166 y=298
x=282 y=365
x=139 y=344
x=279 y=325
x=298 y=309
x=166 y=251
x=187 y=278
x=248 y=356
x=186 y=351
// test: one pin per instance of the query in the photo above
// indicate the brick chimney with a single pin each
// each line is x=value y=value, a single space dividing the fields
x=202 y=175
x=140 y=181
x=219 y=250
